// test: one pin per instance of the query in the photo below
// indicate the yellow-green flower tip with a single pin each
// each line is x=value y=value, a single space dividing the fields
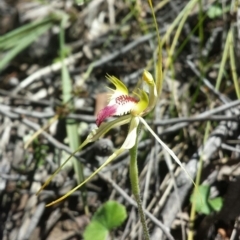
x=139 y=107
x=148 y=78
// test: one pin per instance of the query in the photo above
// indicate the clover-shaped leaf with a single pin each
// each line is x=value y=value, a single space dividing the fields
x=107 y=217
x=95 y=230
x=202 y=202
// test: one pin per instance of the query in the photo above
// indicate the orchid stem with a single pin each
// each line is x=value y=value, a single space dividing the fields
x=135 y=185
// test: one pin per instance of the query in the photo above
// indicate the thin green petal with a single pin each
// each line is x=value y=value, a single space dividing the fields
x=111 y=158
x=171 y=153
x=106 y=126
x=92 y=137
x=62 y=165
x=128 y=143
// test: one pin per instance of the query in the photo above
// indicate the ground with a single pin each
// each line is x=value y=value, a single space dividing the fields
x=47 y=110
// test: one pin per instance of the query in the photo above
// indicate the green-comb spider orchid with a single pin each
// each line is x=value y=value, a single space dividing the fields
x=131 y=109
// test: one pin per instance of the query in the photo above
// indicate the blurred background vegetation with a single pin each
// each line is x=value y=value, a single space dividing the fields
x=54 y=56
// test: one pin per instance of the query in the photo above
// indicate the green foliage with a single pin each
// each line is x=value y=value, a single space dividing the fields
x=203 y=204
x=65 y=52
x=40 y=152
x=80 y=2
x=16 y=41
x=216 y=11
x=107 y=217
x=95 y=230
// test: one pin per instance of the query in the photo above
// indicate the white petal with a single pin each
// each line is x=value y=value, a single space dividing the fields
x=132 y=134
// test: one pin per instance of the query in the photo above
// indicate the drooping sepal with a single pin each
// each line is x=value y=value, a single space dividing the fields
x=128 y=143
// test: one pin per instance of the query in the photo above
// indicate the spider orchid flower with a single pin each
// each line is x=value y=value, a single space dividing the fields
x=121 y=102
x=130 y=108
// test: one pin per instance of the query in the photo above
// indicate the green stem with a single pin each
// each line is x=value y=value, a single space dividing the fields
x=197 y=182
x=135 y=185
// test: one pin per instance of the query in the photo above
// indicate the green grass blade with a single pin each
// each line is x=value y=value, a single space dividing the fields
x=72 y=127
x=233 y=64
x=223 y=61
x=22 y=44
x=12 y=38
x=176 y=21
x=185 y=15
x=159 y=76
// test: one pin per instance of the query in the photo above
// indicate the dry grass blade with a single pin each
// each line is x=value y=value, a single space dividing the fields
x=44 y=128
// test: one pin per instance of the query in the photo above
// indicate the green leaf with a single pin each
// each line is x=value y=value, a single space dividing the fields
x=79 y=2
x=217 y=11
x=107 y=217
x=200 y=198
x=95 y=230
x=202 y=202
x=110 y=215
x=214 y=11
x=216 y=203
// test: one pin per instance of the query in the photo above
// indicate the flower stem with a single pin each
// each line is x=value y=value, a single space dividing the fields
x=135 y=185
